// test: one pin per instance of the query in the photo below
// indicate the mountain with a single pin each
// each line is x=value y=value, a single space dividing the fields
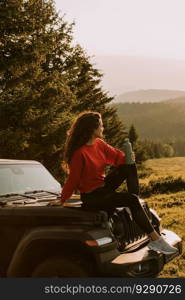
x=177 y=100
x=122 y=74
x=149 y=96
x=157 y=121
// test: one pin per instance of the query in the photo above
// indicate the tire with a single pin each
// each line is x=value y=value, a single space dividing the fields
x=59 y=267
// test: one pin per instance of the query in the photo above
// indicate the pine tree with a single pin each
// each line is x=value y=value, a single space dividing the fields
x=133 y=136
x=44 y=83
x=35 y=100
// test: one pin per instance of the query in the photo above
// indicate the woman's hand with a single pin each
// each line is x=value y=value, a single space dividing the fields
x=55 y=203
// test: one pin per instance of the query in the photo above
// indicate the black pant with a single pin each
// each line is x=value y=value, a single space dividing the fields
x=106 y=198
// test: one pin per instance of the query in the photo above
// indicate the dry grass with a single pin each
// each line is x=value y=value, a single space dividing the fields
x=171 y=207
x=164 y=167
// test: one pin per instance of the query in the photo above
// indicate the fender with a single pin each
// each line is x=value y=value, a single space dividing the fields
x=41 y=242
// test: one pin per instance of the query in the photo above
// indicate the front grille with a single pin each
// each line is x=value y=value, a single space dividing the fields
x=125 y=228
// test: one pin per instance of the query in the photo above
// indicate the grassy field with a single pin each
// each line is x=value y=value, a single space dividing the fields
x=164 y=167
x=170 y=206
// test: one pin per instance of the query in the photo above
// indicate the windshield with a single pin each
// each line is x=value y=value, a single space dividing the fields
x=21 y=178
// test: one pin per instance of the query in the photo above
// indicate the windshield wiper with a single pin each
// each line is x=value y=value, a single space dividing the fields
x=43 y=197
x=4 y=198
x=41 y=191
x=28 y=195
x=14 y=194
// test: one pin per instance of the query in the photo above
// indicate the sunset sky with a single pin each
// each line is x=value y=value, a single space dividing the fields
x=128 y=27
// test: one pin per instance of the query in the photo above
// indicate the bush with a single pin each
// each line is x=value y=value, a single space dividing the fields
x=144 y=172
x=163 y=186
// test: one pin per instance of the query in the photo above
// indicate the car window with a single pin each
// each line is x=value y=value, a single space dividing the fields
x=25 y=178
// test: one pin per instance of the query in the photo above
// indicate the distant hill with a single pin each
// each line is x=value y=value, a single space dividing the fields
x=148 y=96
x=176 y=100
x=122 y=74
x=160 y=120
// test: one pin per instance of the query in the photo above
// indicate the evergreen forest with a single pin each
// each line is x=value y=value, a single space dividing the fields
x=160 y=126
x=45 y=81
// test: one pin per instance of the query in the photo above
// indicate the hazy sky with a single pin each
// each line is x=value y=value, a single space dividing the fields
x=128 y=27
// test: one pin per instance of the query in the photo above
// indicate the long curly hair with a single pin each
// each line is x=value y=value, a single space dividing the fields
x=79 y=134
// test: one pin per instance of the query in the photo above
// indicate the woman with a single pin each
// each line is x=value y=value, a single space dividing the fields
x=86 y=156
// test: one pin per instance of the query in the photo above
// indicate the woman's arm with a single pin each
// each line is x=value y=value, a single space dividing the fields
x=73 y=180
x=114 y=156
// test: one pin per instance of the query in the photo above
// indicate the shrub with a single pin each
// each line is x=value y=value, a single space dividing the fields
x=163 y=186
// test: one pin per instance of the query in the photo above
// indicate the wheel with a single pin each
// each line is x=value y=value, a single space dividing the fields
x=59 y=267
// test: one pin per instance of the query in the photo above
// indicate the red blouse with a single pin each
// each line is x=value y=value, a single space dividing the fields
x=86 y=170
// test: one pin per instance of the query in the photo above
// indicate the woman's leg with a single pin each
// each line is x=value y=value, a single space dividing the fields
x=123 y=172
x=104 y=199
x=138 y=212
x=132 y=180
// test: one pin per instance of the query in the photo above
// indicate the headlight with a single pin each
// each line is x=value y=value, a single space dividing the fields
x=99 y=242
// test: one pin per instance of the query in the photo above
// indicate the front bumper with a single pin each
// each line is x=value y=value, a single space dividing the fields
x=143 y=262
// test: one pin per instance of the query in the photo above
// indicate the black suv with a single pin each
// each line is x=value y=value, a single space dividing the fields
x=38 y=240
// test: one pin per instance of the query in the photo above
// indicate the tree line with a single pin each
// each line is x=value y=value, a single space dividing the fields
x=160 y=127
x=148 y=149
x=156 y=121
